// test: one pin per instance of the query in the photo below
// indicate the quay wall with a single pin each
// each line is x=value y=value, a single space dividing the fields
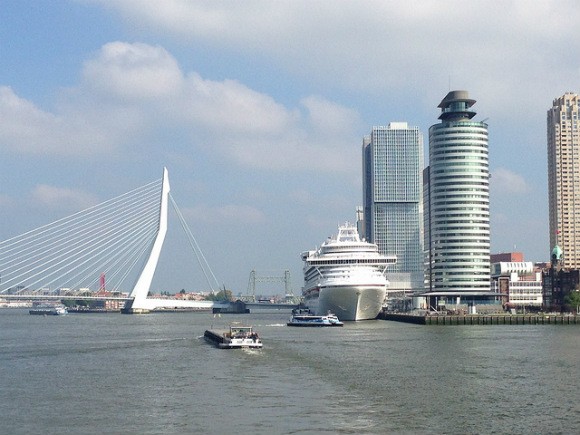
x=483 y=319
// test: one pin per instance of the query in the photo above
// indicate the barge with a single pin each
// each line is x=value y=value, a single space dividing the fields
x=236 y=337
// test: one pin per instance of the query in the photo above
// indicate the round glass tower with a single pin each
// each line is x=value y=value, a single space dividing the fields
x=459 y=199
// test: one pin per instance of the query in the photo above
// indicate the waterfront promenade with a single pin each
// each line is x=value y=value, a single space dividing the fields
x=483 y=319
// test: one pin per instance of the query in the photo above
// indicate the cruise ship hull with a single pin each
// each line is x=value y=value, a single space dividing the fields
x=348 y=302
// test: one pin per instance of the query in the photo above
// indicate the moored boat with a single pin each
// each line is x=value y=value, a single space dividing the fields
x=306 y=319
x=48 y=311
x=346 y=276
x=235 y=338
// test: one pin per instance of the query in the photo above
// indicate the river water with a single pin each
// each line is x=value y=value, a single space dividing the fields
x=153 y=374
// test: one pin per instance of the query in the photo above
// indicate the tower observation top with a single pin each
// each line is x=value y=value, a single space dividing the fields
x=455 y=106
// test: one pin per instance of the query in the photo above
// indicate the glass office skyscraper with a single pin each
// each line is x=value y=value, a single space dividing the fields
x=458 y=182
x=392 y=198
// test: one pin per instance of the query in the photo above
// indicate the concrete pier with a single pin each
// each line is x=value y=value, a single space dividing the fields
x=483 y=319
x=130 y=310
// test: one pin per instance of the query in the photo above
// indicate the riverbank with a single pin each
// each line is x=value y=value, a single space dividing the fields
x=483 y=319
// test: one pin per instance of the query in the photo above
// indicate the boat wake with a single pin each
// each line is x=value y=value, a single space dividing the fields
x=252 y=351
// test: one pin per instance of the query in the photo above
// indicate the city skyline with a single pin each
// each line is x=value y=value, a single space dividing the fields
x=257 y=110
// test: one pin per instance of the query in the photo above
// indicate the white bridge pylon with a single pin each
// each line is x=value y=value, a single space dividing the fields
x=140 y=303
x=143 y=284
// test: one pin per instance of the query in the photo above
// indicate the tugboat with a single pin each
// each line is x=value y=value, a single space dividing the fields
x=236 y=338
x=306 y=318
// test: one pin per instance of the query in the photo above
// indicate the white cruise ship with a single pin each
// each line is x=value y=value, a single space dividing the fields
x=346 y=276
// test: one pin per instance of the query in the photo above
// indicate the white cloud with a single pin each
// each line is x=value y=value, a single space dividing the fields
x=27 y=129
x=506 y=182
x=133 y=71
x=201 y=18
x=494 y=48
x=22 y=122
x=229 y=106
x=328 y=117
x=131 y=93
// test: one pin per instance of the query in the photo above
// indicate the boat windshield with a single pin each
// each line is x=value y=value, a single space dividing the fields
x=240 y=330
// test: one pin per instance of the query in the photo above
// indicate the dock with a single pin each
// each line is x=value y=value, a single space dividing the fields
x=483 y=319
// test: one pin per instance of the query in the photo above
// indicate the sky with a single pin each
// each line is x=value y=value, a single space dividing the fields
x=258 y=110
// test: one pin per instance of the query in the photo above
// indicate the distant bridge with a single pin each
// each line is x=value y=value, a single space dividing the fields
x=257 y=278
x=112 y=238
x=273 y=306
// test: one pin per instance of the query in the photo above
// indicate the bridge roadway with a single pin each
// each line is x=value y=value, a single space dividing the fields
x=152 y=302
x=161 y=304
x=60 y=297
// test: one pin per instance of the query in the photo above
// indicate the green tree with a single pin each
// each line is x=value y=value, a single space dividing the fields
x=222 y=295
x=573 y=300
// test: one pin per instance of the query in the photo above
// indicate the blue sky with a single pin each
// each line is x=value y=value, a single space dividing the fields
x=258 y=110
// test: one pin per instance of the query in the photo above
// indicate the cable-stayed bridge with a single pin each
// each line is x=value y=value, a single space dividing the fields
x=120 y=238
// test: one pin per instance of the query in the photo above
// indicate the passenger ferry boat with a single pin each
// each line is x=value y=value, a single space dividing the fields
x=48 y=310
x=300 y=318
x=346 y=276
x=236 y=338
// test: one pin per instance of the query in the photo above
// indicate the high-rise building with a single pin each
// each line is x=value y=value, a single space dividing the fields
x=564 y=178
x=458 y=237
x=392 y=198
